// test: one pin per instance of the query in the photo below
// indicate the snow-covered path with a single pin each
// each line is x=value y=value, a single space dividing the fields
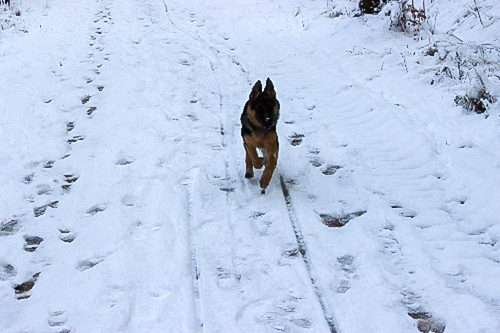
x=125 y=206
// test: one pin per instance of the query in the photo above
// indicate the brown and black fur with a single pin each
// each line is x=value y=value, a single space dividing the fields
x=258 y=129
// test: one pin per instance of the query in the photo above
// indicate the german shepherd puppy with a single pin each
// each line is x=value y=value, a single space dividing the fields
x=258 y=129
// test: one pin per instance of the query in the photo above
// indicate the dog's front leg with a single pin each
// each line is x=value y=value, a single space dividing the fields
x=249 y=165
x=271 y=158
x=254 y=157
x=252 y=160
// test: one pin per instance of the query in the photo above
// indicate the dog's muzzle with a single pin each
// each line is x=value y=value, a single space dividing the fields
x=268 y=122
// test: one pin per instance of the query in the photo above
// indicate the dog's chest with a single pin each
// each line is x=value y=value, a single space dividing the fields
x=261 y=139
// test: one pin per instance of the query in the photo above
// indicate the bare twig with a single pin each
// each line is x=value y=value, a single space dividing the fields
x=479 y=14
x=404 y=61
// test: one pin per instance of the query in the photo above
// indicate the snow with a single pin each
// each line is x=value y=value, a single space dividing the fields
x=121 y=149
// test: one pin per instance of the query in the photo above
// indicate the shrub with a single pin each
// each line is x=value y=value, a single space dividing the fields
x=371 y=6
x=408 y=18
x=478 y=101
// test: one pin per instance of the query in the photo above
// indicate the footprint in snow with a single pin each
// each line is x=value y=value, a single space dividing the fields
x=85 y=99
x=316 y=162
x=314 y=158
x=129 y=200
x=426 y=322
x=83 y=265
x=23 y=289
x=75 y=139
x=345 y=265
x=227 y=189
x=403 y=211
x=125 y=161
x=96 y=209
x=283 y=314
x=28 y=179
x=9 y=227
x=48 y=164
x=259 y=224
x=66 y=235
x=192 y=117
x=7 y=272
x=69 y=179
x=32 y=243
x=292 y=253
x=225 y=278
x=43 y=189
x=295 y=139
x=334 y=221
x=91 y=110
x=39 y=211
x=57 y=319
x=114 y=294
x=331 y=170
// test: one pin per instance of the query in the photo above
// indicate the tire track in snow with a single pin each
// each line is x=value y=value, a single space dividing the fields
x=229 y=188
x=301 y=243
x=195 y=269
x=156 y=41
x=226 y=187
x=196 y=273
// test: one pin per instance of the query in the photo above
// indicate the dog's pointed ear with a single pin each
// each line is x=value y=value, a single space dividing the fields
x=269 y=90
x=256 y=90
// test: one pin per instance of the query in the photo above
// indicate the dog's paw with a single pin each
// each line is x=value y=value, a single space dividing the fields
x=249 y=174
x=264 y=181
x=263 y=191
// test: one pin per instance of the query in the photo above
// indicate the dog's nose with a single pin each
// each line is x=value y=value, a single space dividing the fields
x=268 y=123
